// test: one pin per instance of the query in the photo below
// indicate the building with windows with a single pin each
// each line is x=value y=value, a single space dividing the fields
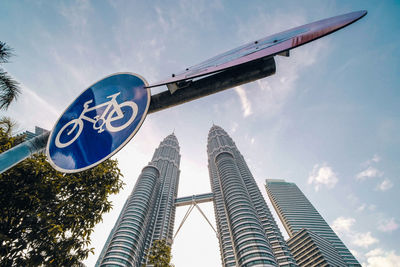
x=248 y=234
x=149 y=212
x=303 y=222
x=29 y=135
x=309 y=249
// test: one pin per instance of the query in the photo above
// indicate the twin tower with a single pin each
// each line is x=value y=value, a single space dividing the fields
x=248 y=234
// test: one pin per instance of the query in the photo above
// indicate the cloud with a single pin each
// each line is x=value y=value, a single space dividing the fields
x=374 y=252
x=252 y=140
x=353 y=199
x=277 y=89
x=364 y=206
x=322 y=176
x=355 y=253
x=378 y=257
x=246 y=105
x=40 y=101
x=372 y=207
x=37 y=110
x=370 y=172
x=343 y=225
x=388 y=225
x=234 y=127
x=77 y=15
x=384 y=185
x=361 y=207
x=363 y=239
x=375 y=158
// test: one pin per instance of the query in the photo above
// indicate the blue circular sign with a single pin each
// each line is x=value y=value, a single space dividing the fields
x=99 y=122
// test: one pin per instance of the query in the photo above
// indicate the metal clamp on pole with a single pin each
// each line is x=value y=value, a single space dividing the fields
x=183 y=92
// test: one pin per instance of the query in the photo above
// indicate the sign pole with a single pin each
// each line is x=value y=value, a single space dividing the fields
x=15 y=155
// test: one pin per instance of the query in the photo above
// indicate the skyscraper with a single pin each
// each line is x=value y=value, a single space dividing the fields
x=296 y=213
x=310 y=249
x=149 y=212
x=248 y=234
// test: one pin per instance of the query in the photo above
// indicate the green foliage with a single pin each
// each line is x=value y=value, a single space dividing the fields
x=160 y=254
x=46 y=217
x=9 y=89
x=6 y=140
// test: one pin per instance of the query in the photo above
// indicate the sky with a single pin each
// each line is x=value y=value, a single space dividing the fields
x=328 y=120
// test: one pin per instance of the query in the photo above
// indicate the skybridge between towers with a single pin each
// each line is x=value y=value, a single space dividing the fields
x=192 y=202
x=202 y=198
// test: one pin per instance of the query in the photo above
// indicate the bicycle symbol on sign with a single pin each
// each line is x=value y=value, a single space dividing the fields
x=99 y=121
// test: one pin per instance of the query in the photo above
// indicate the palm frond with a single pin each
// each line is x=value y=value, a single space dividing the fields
x=9 y=89
x=7 y=124
x=5 y=52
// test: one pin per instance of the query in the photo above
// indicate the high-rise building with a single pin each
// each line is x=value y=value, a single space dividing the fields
x=248 y=234
x=296 y=213
x=29 y=135
x=309 y=249
x=149 y=212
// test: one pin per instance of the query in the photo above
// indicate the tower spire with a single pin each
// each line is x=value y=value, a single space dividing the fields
x=149 y=212
x=243 y=218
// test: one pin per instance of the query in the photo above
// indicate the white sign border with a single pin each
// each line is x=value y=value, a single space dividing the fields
x=146 y=84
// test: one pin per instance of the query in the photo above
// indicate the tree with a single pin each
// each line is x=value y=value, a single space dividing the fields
x=160 y=254
x=46 y=217
x=9 y=89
